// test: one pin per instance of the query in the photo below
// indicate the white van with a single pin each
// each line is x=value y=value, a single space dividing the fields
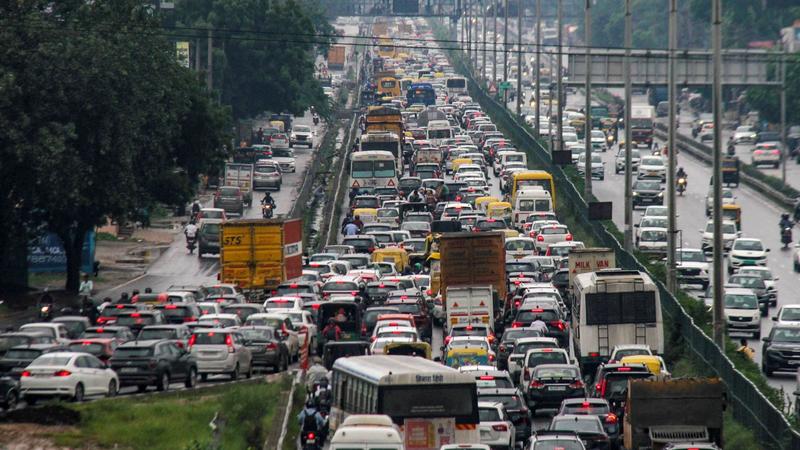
x=439 y=130
x=367 y=432
x=531 y=200
x=507 y=157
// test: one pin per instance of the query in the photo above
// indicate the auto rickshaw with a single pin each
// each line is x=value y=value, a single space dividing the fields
x=500 y=210
x=471 y=356
x=730 y=171
x=481 y=203
x=345 y=314
x=367 y=215
x=421 y=349
x=394 y=255
x=654 y=364
x=335 y=350
x=733 y=212
x=458 y=162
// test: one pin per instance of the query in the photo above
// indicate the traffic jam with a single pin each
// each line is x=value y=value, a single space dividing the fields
x=455 y=311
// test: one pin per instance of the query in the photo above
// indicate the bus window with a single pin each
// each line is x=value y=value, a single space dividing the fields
x=361 y=169
x=384 y=169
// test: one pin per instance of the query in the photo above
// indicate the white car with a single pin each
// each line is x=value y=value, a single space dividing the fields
x=744 y=135
x=221 y=351
x=288 y=302
x=495 y=426
x=693 y=267
x=376 y=348
x=285 y=159
x=769 y=280
x=453 y=209
x=55 y=330
x=73 y=375
x=729 y=234
x=727 y=199
x=746 y=252
x=386 y=332
x=598 y=139
x=305 y=325
x=551 y=234
x=652 y=240
x=520 y=247
x=282 y=324
x=220 y=320
x=742 y=312
x=652 y=166
x=649 y=222
x=302 y=135
x=598 y=166
x=619 y=161
x=655 y=211
x=788 y=315
x=766 y=153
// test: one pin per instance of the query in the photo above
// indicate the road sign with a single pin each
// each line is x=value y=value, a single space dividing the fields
x=505 y=85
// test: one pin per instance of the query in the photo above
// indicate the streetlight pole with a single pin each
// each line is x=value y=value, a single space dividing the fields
x=673 y=105
x=587 y=124
x=716 y=33
x=784 y=149
x=494 y=44
x=537 y=97
x=484 y=72
x=627 y=122
x=559 y=69
x=505 y=43
x=519 y=57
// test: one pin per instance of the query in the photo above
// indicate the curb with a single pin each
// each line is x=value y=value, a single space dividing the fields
x=285 y=424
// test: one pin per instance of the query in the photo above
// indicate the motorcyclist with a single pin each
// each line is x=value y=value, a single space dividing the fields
x=785 y=222
x=731 y=147
x=196 y=208
x=332 y=332
x=311 y=420
x=46 y=305
x=268 y=200
x=323 y=395
x=681 y=173
x=190 y=231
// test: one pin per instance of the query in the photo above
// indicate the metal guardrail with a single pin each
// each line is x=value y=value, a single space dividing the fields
x=749 y=405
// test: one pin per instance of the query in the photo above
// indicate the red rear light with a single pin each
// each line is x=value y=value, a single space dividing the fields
x=25 y=373
x=594 y=354
x=758 y=152
x=171 y=307
x=229 y=343
x=502 y=348
x=486 y=377
x=62 y=373
x=540 y=238
x=136 y=315
x=776 y=152
x=538 y=310
x=120 y=306
x=271 y=346
x=516 y=324
x=577 y=385
x=558 y=324
x=612 y=418
x=536 y=384
x=192 y=340
x=353 y=292
x=569 y=236
x=189 y=319
x=624 y=369
x=312 y=435
x=447 y=339
x=500 y=427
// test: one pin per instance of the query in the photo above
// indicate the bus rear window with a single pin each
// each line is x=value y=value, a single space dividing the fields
x=427 y=401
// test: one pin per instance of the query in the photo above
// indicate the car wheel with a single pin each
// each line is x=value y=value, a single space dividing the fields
x=204 y=377
x=191 y=379
x=249 y=373
x=141 y=388
x=112 y=389
x=796 y=266
x=757 y=335
x=767 y=371
x=11 y=400
x=730 y=270
x=163 y=382
x=285 y=364
x=235 y=373
x=78 y=396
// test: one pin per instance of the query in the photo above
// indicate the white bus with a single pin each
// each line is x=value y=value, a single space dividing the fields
x=614 y=307
x=414 y=392
x=456 y=86
x=373 y=169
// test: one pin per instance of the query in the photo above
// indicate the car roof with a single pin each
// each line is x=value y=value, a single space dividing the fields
x=142 y=343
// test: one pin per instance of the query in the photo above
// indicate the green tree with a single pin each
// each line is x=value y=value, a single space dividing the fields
x=94 y=108
x=766 y=100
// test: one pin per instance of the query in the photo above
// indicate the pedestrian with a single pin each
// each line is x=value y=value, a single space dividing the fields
x=745 y=349
x=86 y=287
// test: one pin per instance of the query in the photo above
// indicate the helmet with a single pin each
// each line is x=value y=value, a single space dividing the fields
x=785 y=216
x=310 y=403
x=418 y=266
x=680 y=169
x=323 y=381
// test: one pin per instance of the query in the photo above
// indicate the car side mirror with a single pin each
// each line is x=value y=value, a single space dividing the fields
x=776 y=278
x=767 y=249
x=766 y=339
x=774 y=319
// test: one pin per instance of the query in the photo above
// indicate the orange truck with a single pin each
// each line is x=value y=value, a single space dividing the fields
x=260 y=253
x=336 y=57
x=473 y=259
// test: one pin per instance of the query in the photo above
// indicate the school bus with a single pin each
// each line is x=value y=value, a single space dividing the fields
x=386 y=49
x=389 y=86
x=533 y=178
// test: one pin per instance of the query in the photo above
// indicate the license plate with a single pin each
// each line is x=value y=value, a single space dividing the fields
x=128 y=370
x=557 y=388
x=748 y=261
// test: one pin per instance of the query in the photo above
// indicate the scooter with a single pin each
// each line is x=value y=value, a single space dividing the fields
x=191 y=242
x=46 y=312
x=786 y=237
x=266 y=211
x=316 y=120
x=311 y=441
x=681 y=185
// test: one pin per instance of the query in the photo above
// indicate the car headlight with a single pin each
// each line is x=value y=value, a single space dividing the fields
x=635 y=194
x=660 y=194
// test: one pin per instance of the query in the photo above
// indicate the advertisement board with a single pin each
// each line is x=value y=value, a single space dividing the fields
x=46 y=254
x=428 y=434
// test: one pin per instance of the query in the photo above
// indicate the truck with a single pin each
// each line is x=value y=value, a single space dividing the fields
x=642 y=122
x=260 y=253
x=614 y=307
x=384 y=118
x=241 y=175
x=336 y=57
x=582 y=260
x=469 y=304
x=472 y=259
x=651 y=421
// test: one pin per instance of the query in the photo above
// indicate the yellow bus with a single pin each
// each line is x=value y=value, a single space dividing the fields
x=386 y=49
x=389 y=87
x=533 y=178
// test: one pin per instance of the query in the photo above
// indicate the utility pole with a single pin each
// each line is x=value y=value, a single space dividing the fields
x=672 y=284
x=469 y=32
x=210 y=64
x=484 y=72
x=587 y=124
x=716 y=35
x=519 y=58
x=538 y=44
x=505 y=44
x=494 y=43
x=784 y=148
x=559 y=69
x=626 y=64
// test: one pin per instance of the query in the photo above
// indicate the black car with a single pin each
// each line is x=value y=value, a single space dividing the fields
x=180 y=334
x=153 y=362
x=419 y=309
x=178 y=313
x=611 y=383
x=507 y=343
x=768 y=136
x=515 y=406
x=269 y=350
x=17 y=338
x=588 y=428
x=560 y=281
x=139 y=319
x=594 y=407
x=18 y=358
x=378 y=291
x=9 y=393
x=552 y=316
x=647 y=191
x=781 y=350
x=371 y=315
x=550 y=384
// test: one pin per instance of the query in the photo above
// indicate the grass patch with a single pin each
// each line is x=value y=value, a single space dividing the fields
x=293 y=427
x=180 y=420
x=103 y=236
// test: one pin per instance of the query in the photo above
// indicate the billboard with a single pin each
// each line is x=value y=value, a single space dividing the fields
x=182 y=53
x=46 y=254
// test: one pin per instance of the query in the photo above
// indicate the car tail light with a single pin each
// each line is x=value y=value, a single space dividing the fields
x=25 y=373
x=62 y=373
x=516 y=324
x=171 y=307
x=271 y=346
x=311 y=435
x=500 y=427
x=189 y=319
x=447 y=339
x=558 y=324
x=578 y=384
x=229 y=343
x=179 y=344
x=491 y=358
x=776 y=152
x=569 y=236
x=601 y=387
x=540 y=238
x=536 y=384
x=594 y=354
x=102 y=320
x=192 y=340
x=611 y=418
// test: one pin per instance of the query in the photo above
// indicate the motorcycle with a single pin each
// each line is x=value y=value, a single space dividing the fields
x=786 y=237
x=266 y=211
x=191 y=242
x=46 y=312
x=681 y=185
x=316 y=120
x=311 y=441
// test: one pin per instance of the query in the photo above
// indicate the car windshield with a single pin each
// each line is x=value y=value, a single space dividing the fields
x=648 y=185
x=530 y=316
x=558 y=444
x=520 y=245
x=282 y=153
x=790 y=314
x=556 y=373
x=406 y=308
x=51 y=360
x=22 y=353
x=158 y=333
x=469 y=331
x=653 y=236
x=508 y=401
x=727 y=228
x=220 y=290
x=653 y=222
x=87 y=347
x=786 y=334
x=257 y=334
x=655 y=211
x=751 y=245
x=630 y=352
x=578 y=426
x=554 y=230
x=489 y=415
x=591 y=408
x=302 y=129
x=229 y=191
x=741 y=301
x=546 y=357
x=750 y=282
x=209 y=338
x=691 y=256
x=12 y=341
x=133 y=352
x=764 y=274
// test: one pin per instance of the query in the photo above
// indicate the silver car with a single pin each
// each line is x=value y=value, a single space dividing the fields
x=267 y=174
x=221 y=351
